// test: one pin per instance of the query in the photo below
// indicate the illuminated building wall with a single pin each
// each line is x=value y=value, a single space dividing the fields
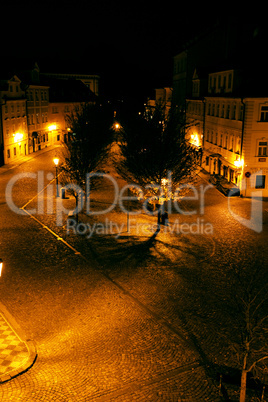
x=37 y=114
x=14 y=120
x=232 y=133
x=58 y=126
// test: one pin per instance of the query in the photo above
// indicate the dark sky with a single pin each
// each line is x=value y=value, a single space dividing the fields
x=130 y=44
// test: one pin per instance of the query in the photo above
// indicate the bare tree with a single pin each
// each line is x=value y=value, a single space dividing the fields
x=155 y=154
x=249 y=339
x=89 y=143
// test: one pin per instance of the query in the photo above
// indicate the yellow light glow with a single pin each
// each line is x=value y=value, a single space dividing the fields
x=164 y=182
x=18 y=137
x=239 y=163
x=195 y=140
x=52 y=127
x=56 y=161
x=1 y=266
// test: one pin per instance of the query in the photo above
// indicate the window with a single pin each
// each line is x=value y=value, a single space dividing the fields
x=228 y=111
x=264 y=113
x=224 y=82
x=15 y=151
x=234 y=112
x=238 y=146
x=54 y=109
x=232 y=144
x=219 y=82
x=209 y=109
x=213 y=109
x=223 y=111
x=226 y=142
x=262 y=148
x=260 y=181
x=218 y=110
x=241 y=113
x=229 y=81
x=8 y=153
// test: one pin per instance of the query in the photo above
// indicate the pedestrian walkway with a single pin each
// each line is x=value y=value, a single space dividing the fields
x=23 y=159
x=16 y=355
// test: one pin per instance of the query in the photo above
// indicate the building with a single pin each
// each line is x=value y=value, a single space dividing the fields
x=65 y=96
x=13 y=120
x=91 y=81
x=37 y=96
x=230 y=39
x=33 y=108
x=230 y=130
x=163 y=98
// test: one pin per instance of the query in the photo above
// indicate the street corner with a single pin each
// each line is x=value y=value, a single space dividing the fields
x=17 y=354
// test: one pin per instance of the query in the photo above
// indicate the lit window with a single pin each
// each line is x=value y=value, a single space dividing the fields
x=262 y=148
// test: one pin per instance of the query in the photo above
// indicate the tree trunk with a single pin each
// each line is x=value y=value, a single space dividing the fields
x=243 y=388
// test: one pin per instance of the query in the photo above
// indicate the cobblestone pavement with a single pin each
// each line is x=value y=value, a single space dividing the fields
x=16 y=355
x=135 y=317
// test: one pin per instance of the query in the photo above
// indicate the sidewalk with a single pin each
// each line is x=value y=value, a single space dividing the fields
x=17 y=354
x=26 y=158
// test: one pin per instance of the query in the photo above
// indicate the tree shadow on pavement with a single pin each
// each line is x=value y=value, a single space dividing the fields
x=131 y=251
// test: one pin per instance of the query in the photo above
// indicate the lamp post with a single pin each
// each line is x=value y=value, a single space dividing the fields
x=1 y=266
x=56 y=162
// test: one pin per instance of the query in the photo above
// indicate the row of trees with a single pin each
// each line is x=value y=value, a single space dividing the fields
x=149 y=150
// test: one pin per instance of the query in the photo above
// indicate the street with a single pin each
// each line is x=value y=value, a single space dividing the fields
x=122 y=315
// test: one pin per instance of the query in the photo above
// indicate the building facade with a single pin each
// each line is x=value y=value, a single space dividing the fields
x=37 y=116
x=14 y=130
x=230 y=131
x=163 y=99
x=29 y=119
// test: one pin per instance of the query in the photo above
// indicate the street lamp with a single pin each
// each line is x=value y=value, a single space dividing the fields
x=1 y=266
x=56 y=162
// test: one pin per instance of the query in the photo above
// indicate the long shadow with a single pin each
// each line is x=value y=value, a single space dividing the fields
x=111 y=252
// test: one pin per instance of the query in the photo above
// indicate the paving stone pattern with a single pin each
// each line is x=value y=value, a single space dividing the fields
x=13 y=351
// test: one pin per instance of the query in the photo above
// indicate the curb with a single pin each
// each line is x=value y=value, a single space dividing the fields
x=30 y=345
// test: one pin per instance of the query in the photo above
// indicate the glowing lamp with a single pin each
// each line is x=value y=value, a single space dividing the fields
x=18 y=137
x=238 y=163
x=52 y=127
x=56 y=161
x=1 y=266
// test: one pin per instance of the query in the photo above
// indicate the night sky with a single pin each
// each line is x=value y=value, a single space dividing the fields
x=130 y=44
